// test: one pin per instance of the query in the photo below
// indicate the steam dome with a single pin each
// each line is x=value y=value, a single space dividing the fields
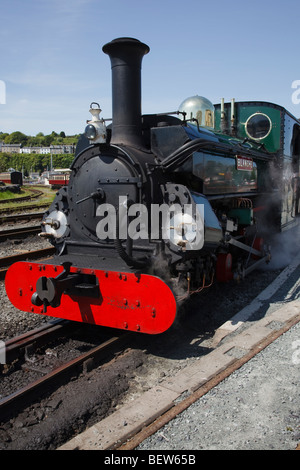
x=200 y=108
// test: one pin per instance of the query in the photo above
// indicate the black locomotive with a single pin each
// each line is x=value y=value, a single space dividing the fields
x=161 y=204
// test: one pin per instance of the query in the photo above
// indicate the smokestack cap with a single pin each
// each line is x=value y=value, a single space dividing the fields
x=109 y=47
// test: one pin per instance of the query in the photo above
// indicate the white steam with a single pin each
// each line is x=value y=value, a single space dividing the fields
x=284 y=247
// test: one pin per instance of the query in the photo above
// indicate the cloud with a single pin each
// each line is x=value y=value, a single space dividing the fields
x=2 y=92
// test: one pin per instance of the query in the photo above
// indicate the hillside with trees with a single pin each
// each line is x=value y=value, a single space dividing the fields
x=40 y=139
x=34 y=162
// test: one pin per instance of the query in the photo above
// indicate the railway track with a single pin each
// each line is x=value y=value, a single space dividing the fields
x=21 y=346
x=148 y=413
x=7 y=261
x=16 y=347
x=233 y=344
x=13 y=210
x=21 y=232
x=141 y=407
x=7 y=219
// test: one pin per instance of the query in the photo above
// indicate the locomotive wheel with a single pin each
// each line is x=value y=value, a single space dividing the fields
x=224 y=267
x=259 y=246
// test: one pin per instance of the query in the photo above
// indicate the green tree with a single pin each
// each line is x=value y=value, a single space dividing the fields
x=16 y=137
x=3 y=135
x=47 y=140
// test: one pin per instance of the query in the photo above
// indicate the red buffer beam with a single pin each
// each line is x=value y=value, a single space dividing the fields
x=130 y=301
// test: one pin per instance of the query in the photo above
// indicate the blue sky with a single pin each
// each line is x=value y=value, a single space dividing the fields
x=53 y=66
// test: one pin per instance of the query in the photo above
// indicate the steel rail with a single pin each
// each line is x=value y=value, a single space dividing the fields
x=16 y=347
x=133 y=441
x=19 y=232
x=23 y=397
x=7 y=261
x=18 y=217
x=11 y=210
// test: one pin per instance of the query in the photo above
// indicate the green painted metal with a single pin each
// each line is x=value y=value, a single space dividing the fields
x=244 y=215
x=243 y=111
x=273 y=141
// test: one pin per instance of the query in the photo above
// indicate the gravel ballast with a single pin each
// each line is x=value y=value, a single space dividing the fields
x=255 y=408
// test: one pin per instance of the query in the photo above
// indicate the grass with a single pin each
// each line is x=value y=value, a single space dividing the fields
x=11 y=195
x=46 y=198
x=8 y=195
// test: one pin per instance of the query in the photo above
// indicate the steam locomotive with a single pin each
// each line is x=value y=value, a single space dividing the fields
x=160 y=206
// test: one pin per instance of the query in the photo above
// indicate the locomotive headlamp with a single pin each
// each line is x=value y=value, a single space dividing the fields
x=90 y=132
x=182 y=229
x=186 y=231
x=95 y=130
x=55 y=224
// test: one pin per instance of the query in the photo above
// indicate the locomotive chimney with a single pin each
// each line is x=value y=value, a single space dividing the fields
x=126 y=56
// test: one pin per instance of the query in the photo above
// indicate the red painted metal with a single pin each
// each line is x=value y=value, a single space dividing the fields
x=58 y=182
x=244 y=163
x=135 y=302
x=224 y=267
x=259 y=246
